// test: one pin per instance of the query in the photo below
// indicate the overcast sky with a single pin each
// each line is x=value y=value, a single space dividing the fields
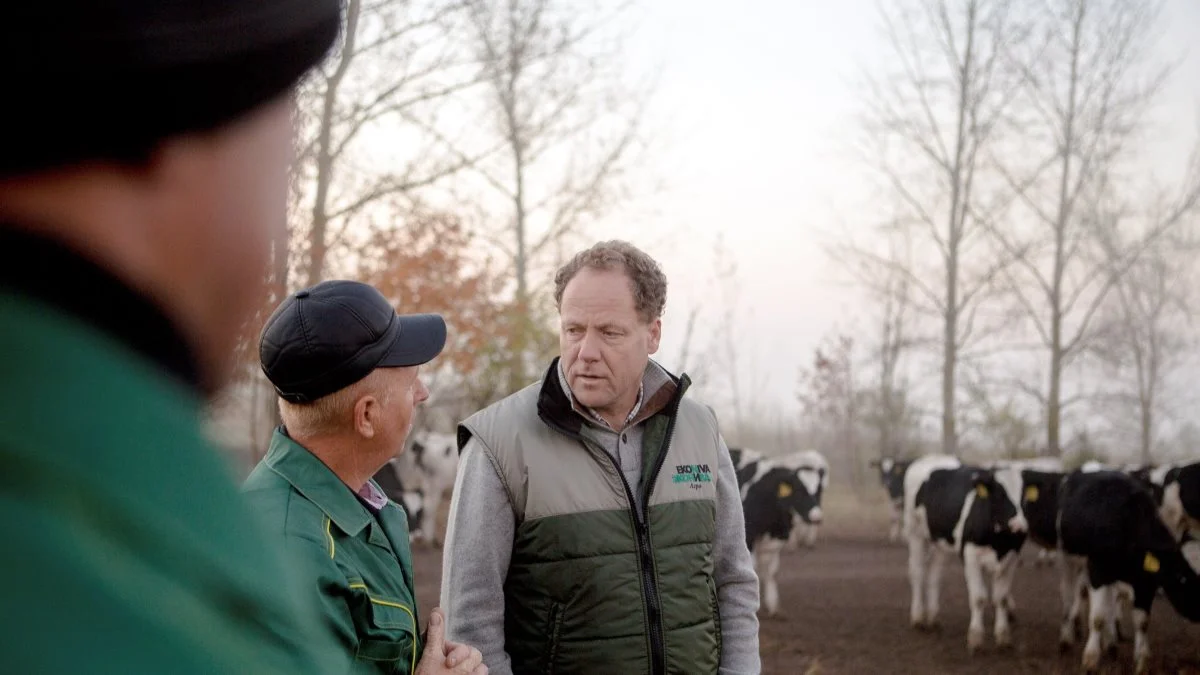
x=753 y=121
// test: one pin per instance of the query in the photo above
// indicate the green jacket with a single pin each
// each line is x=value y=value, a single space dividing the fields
x=355 y=565
x=127 y=546
x=593 y=585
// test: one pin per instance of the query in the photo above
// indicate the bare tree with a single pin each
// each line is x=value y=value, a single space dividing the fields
x=559 y=107
x=931 y=120
x=831 y=400
x=1148 y=333
x=394 y=66
x=1086 y=89
x=894 y=342
x=727 y=350
x=1008 y=430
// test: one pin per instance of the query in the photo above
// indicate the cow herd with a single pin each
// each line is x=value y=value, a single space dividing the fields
x=1119 y=536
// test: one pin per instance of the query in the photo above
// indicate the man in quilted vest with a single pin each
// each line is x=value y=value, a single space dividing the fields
x=596 y=525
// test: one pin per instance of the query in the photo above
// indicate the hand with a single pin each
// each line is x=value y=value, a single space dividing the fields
x=441 y=657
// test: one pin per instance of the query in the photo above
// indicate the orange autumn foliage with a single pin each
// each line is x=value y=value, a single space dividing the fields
x=431 y=264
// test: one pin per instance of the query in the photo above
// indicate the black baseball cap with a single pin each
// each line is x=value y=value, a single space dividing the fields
x=109 y=80
x=327 y=337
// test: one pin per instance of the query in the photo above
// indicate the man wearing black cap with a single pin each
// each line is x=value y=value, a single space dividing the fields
x=143 y=171
x=345 y=366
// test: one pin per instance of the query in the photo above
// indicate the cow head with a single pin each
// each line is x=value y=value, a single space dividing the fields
x=891 y=475
x=1039 y=504
x=1178 y=579
x=413 y=503
x=998 y=493
x=799 y=491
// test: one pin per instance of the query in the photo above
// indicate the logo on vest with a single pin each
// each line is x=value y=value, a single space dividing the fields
x=692 y=474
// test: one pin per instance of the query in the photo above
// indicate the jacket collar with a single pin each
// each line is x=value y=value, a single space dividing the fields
x=58 y=276
x=557 y=407
x=317 y=482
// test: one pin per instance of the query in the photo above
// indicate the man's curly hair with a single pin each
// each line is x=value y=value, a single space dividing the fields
x=648 y=282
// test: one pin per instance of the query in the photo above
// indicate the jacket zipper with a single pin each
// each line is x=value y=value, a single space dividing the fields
x=641 y=529
x=657 y=646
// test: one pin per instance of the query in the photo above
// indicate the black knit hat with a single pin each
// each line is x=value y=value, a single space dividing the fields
x=111 y=79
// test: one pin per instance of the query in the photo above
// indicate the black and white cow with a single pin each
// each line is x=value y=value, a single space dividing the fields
x=971 y=511
x=1037 y=468
x=1040 y=499
x=409 y=500
x=891 y=476
x=746 y=465
x=773 y=494
x=814 y=469
x=428 y=468
x=1178 y=495
x=1110 y=520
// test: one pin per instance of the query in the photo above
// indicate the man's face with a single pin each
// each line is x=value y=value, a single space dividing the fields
x=405 y=391
x=605 y=344
x=222 y=201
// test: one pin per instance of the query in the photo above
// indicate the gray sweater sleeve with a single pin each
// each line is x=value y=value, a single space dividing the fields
x=737 y=582
x=479 y=536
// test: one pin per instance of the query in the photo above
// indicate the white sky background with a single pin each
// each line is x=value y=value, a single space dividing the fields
x=753 y=123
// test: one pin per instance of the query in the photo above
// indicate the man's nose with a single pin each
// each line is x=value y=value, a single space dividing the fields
x=422 y=391
x=589 y=347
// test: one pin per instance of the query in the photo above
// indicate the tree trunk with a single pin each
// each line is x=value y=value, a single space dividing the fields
x=318 y=245
x=1054 y=396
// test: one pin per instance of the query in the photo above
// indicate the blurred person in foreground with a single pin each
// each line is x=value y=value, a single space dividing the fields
x=346 y=368
x=143 y=173
x=596 y=524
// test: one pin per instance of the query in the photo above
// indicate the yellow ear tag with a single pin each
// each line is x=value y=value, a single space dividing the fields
x=982 y=491
x=785 y=490
x=1150 y=564
x=1031 y=493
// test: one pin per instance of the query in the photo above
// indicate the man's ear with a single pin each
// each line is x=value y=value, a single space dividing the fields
x=366 y=415
x=655 y=335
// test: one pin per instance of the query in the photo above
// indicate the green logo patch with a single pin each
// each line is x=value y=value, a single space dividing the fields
x=693 y=474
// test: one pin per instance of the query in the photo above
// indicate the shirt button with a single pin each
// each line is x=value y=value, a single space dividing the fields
x=624 y=438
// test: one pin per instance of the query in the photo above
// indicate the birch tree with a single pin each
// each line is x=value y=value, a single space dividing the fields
x=1086 y=88
x=931 y=120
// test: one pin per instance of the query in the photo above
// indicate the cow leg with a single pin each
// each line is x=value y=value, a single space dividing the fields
x=769 y=557
x=976 y=596
x=1143 y=598
x=918 y=560
x=1098 y=613
x=1002 y=598
x=896 y=530
x=793 y=540
x=430 y=502
x=1073 y=591
x=1122 y=608
x=933 y=586
x=810 y=536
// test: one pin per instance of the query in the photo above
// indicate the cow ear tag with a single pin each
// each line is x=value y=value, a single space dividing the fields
x=982 y=491
x=785 y=490
x=1031 y=493
x=1150 y=564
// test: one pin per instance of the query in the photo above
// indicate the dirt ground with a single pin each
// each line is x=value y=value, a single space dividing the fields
x=846 y=604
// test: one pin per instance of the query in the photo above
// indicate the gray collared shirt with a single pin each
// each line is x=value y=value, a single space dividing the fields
x=624 y=444
x=595 y=416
